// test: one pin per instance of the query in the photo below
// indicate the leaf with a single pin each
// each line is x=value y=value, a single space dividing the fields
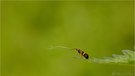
x=128 y=57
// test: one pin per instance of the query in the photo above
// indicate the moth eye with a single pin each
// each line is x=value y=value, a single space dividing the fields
x=79 y=51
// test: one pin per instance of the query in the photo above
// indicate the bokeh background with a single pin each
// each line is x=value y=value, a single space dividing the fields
x=30 y=28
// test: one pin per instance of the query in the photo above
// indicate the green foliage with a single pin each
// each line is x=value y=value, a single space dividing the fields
x=127 y=57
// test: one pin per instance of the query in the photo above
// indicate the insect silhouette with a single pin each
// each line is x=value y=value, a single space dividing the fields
x=82 y=53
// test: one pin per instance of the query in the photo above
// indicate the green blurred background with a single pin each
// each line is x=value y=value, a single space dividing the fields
x=29 y=28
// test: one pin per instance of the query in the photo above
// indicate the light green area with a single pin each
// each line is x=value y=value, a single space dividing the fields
x=127 y=58
x=99 y=28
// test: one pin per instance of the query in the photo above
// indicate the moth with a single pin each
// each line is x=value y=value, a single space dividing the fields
x=82 y=53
